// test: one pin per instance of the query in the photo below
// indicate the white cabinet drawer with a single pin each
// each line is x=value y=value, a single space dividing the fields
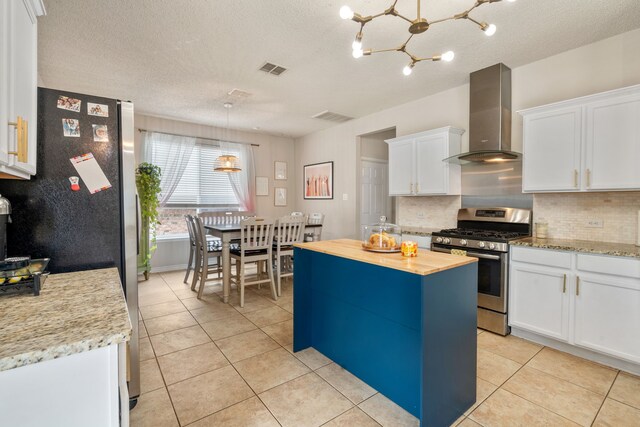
x=617 y=266
x=545 y=257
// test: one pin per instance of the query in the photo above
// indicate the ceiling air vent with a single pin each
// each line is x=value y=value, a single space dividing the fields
x=238 y=93
x=332 y=117
x=274 y=69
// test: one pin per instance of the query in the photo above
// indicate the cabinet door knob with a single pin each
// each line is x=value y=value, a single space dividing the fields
x=22 y=146
x=575 y=178
x=588 y=178
x=411 y=188
x=578 y=286
x=564 y=284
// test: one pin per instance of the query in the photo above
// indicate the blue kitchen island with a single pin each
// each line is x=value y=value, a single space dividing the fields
x=405 y=326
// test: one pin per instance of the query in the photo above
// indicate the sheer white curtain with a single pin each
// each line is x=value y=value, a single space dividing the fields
x=243 y=182
x=176 y=151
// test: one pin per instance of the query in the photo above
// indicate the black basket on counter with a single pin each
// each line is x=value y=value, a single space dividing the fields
x=22 y=274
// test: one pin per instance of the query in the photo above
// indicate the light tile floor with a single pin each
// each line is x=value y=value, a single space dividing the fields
x=205 y=363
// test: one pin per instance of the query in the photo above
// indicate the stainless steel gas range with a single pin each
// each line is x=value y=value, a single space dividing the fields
x=485 y=233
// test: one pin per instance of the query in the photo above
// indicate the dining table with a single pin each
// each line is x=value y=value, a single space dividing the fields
x=226 y=233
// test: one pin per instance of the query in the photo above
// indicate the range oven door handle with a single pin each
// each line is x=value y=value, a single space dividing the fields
x=473 y=254
x=484 y=256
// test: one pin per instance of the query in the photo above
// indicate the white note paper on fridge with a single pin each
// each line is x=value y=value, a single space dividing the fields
x=91 y=173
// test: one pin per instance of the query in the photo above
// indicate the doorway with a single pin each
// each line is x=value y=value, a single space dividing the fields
x=373 y=199
x=374 y=191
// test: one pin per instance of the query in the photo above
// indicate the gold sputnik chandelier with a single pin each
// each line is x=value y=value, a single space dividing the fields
x=416 y=26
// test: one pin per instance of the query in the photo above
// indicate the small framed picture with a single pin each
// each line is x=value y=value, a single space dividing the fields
x=70 y=104
x=318 y=181
x=101 y=110
x=100 y=133
x=280 y=171
x=71 y=127
x=280 y=196
x=262 y=186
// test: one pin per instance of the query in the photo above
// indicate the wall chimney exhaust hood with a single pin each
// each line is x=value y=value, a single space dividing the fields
x=489 y=118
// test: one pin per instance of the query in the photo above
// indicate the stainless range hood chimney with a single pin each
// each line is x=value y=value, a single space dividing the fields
x=489 y=118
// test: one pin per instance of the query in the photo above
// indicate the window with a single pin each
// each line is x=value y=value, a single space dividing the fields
x=199 y=185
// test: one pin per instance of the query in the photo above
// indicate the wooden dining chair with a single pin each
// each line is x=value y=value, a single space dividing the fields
x=192 y=247
x=256 y=246
x=289 y=230
x=207 y=250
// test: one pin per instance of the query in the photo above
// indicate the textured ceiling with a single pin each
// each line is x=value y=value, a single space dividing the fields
x=180 y=58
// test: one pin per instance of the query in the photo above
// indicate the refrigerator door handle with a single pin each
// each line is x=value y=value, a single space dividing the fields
x=138 y=223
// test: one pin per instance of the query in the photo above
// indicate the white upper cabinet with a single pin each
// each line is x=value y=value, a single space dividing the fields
x=416 y=166
x=612 y=146
x=551 y=158
x=401 y=159
x=585 y=144
x=18 y=86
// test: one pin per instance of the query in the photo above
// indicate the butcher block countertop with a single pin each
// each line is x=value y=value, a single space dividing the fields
x=75 y=312
x=425 y=263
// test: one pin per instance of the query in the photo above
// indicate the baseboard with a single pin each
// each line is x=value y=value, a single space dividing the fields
x=603 y=359
x=166 y=268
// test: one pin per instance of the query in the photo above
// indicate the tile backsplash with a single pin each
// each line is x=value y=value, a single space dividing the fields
x=432 y=211
x=568 y=213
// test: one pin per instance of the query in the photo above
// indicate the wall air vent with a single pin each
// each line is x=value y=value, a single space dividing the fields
x=238 y=93
x=273 y=69
x=332 y=117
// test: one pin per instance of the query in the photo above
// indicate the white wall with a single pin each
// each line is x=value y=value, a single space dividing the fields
x=172 y=254
x=604 y=65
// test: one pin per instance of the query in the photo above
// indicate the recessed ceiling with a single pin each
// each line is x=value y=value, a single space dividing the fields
x=181 y=59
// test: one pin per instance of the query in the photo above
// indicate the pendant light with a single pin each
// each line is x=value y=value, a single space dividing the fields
x=227 y=162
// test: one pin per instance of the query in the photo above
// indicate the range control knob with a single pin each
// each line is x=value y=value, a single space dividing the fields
x=447 y=240
x=438 y=239
x=481 y=244
x=492 y=245
x=463 y=242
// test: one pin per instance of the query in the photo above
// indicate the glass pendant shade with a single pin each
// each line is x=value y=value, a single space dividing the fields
x=227 y=163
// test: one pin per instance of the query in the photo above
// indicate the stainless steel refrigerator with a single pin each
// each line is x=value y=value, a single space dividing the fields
x=77 y=229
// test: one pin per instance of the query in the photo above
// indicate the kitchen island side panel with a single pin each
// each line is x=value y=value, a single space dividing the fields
x=449 y=326
x=369 y=320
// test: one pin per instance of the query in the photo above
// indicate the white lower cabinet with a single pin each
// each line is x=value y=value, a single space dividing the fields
x=607 y=316
x=589 y=301
x=539 y=300
x=79 y=390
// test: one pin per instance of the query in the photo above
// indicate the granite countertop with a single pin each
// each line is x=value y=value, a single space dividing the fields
x=75 y=312
x=604 y=248
x=425 y=263
x=418 y=231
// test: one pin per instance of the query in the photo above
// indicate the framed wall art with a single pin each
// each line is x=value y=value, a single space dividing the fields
x=280 y=171
x=262 y=186
x=318 y=181
x=280 y=196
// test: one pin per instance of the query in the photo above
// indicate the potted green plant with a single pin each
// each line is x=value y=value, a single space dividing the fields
x=148 y=183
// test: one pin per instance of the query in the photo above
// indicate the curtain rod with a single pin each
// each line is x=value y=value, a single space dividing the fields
x=198 y=137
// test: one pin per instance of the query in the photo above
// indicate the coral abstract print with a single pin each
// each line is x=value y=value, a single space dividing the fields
x=318 y=181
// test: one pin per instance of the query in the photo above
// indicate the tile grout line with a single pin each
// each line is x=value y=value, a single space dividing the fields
x=522 y=397
x=175 y=413
x=235 y=369
x=571 y=382
x=605 y=398
x=537 y=404
x=167 y=387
